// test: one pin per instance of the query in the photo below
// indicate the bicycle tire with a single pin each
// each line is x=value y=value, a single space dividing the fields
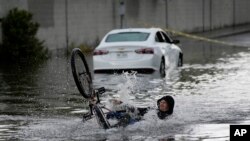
x=81 y=73
x=100 y=117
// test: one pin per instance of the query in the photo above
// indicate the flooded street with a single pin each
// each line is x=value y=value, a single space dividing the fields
x=211 y=91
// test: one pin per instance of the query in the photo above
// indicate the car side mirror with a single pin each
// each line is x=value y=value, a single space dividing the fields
x=176 y=41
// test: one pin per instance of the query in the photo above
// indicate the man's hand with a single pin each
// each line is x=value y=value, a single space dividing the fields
x=93 y=100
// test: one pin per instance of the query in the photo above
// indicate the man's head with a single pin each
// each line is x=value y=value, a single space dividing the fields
x=163 y=105
x=166 y=104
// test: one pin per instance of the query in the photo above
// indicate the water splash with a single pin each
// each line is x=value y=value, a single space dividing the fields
x=127 y=88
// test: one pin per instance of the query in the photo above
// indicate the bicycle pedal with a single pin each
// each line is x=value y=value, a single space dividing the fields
x=87 y=116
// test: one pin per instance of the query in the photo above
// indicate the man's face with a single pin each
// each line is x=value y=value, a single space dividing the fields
x=163 y=106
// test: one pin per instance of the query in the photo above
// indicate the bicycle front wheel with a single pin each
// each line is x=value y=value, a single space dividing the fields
x=100 y=117
x=81 y=73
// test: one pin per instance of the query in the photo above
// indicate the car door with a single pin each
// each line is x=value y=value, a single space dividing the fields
x=172 y=52
x=161 y=43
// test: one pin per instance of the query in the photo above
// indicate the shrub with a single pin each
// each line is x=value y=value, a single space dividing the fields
x=85 y=47
x=19 y=41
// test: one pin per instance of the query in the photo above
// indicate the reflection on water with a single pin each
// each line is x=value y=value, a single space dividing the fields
x=211 y=92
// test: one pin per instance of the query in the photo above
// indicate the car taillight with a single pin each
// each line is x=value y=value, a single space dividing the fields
x=100 y=52
x=145 y=51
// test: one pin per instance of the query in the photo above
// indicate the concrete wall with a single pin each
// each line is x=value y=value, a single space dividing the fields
x=84 y=21
x=221 y=13
x=185 y=16
x=145 y=12
x=204 y=15
x=242 y=11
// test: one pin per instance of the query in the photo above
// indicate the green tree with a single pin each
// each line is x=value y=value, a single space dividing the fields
x=19 y=41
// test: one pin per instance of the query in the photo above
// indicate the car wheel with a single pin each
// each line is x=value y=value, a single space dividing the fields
x=162 y=68
x=180 y=60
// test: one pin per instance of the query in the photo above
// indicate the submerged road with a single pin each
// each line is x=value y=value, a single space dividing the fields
x=211 y=92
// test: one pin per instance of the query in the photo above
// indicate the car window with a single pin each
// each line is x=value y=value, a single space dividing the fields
x=166 y=38
x=127 y=36
x=158 y=37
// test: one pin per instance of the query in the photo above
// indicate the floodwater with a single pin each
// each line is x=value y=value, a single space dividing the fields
x=211 y=92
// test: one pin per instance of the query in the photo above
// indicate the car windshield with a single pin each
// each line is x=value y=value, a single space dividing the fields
x=127 y=36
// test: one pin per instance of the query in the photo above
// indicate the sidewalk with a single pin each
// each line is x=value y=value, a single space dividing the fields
x=214 y=36
x=223 y=32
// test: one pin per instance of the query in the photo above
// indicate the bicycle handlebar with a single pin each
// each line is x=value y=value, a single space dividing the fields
x=100 y=91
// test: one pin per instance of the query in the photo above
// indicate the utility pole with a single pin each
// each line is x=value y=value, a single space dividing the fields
x=166 y=12
x=211 y=14
x=66 y=25
x=1 y=30
x=234 y=13
x=67 y=37
x=122 y=13
x=203 y=15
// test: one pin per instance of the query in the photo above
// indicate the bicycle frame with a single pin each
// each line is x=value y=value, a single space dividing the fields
x=96 y=94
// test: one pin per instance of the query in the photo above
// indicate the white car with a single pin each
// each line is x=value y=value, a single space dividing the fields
x=137 y=49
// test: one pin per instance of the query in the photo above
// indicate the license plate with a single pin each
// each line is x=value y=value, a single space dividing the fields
x=121 y=55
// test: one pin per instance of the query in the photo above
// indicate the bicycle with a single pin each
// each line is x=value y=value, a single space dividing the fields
x=83 y=80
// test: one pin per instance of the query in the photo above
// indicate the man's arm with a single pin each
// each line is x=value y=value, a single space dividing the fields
x=122 y=107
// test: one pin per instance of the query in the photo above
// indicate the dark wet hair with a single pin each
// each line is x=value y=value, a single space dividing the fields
x=170 y=100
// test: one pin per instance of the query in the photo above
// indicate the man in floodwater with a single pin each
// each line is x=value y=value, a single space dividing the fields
x=128 y=114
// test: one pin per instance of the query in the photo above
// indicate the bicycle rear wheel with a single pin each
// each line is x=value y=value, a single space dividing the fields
x=81 y=73
x=100 y=117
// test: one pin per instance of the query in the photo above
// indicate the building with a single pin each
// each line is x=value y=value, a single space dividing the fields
x=64 y=22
